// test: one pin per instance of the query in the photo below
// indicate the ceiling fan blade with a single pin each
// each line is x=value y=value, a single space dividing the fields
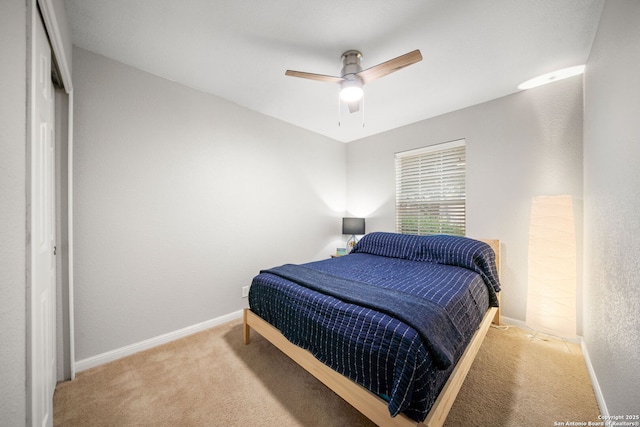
x=312 y=76
x=354 y=106
x=388 y=67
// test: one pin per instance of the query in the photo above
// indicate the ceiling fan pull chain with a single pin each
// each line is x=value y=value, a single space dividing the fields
x=339 y=110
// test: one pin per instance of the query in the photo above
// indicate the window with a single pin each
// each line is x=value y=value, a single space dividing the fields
x=430 y=189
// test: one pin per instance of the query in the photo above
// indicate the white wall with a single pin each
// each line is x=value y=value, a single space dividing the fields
x=13 y=45
x=612 y=206
x=519 y=146
x=180 y=198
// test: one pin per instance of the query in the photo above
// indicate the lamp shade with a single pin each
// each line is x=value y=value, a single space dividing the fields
x=352 y=225
x=551 y=296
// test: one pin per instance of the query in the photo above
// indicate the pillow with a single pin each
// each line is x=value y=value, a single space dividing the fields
x=462 y=252
x=392 y=245
x=440 y=249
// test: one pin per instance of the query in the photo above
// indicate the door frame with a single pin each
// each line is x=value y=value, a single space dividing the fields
x=55 y=23
x=54 y=18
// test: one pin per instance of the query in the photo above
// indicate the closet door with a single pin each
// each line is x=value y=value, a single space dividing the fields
x=41 y=354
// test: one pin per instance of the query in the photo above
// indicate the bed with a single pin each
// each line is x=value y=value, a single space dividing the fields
x=392 y=328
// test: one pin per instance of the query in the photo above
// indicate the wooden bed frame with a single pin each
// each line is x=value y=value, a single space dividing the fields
x=368 y=403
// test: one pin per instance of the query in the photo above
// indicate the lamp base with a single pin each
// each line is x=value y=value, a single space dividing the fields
x=351 y=243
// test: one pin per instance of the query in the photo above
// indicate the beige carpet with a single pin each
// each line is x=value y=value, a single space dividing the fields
x=212 y=379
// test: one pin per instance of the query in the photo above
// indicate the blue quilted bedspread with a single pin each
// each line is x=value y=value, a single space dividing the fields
x=364 y=314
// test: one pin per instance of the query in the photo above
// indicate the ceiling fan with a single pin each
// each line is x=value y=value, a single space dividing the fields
x=353 y=77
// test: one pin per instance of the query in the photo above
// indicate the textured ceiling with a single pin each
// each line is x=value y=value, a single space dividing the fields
x=474 y=51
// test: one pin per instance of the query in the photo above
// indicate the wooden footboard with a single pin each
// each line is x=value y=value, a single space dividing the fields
x=359 y=397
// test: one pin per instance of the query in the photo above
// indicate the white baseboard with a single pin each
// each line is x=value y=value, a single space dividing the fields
x=594 y=382
x=514 y=322
x=522 y=325
x=100 y=359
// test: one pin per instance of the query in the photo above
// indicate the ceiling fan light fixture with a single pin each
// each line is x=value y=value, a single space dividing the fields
x=552 y=77
x=351 y=90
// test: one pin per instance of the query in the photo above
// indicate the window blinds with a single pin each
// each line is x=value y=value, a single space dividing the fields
x=430 y=190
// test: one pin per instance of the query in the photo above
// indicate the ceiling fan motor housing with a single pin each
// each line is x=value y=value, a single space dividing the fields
x=351 y=64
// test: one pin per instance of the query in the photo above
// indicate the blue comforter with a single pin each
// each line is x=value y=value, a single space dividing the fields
x=355 y=323
x=428 y=318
